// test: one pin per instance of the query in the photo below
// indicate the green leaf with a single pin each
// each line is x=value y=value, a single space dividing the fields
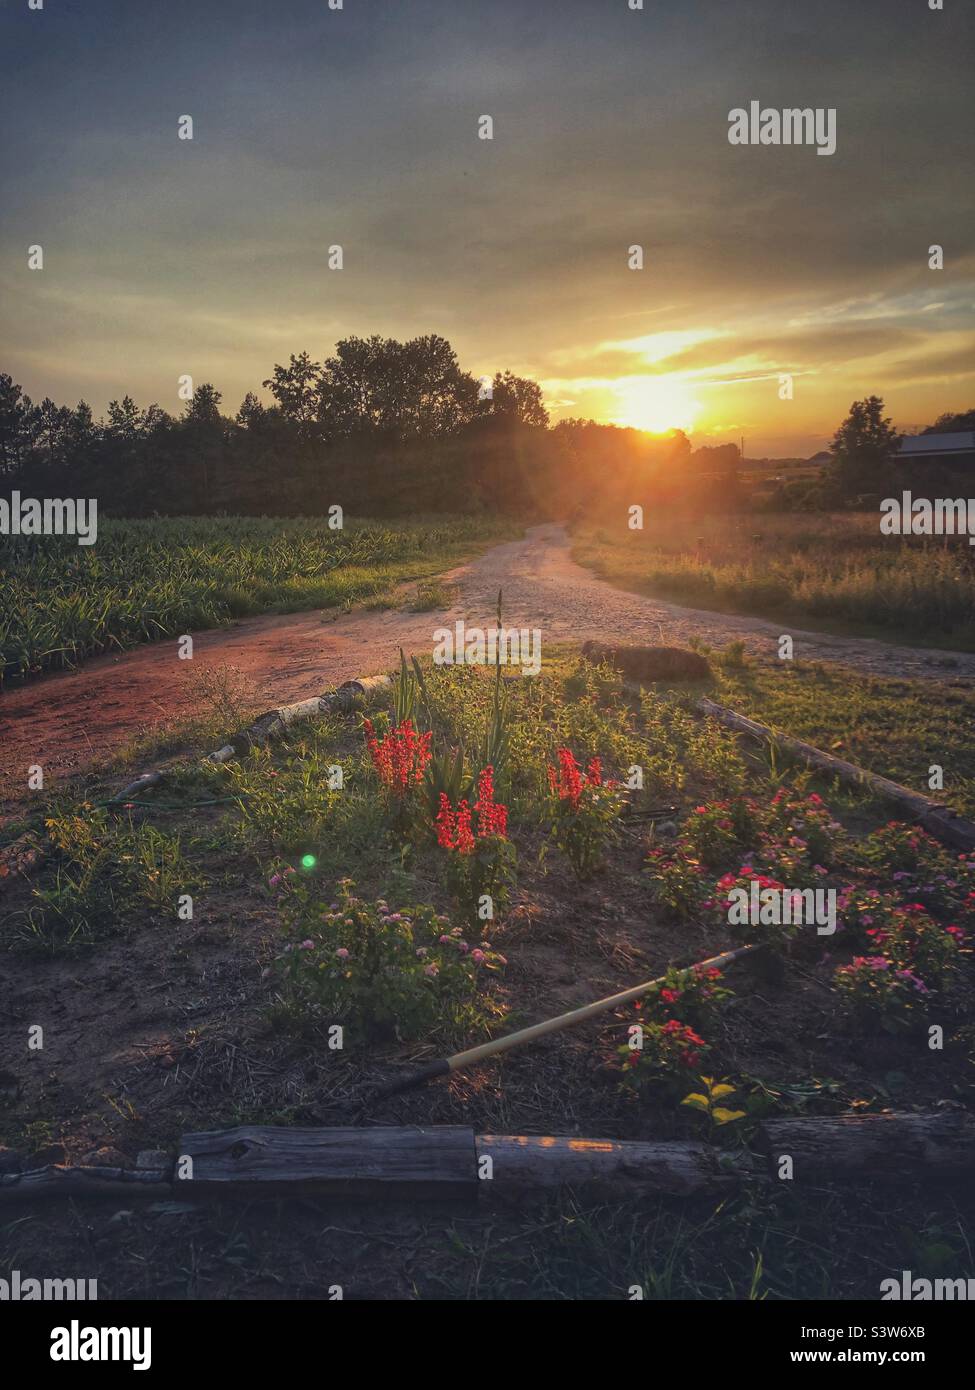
x=699 y=1102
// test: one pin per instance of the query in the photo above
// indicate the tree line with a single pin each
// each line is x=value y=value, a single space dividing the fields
x=380 y=427
x=383 y=427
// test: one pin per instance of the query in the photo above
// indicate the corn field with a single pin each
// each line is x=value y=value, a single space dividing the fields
x=148 y=579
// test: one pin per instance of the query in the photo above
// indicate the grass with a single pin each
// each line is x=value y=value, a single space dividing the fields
x=899 y=729
x=169 y=1027
x=149 y=579
x=837 y=572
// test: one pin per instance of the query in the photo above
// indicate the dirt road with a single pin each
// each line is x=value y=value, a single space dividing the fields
x=69 y=720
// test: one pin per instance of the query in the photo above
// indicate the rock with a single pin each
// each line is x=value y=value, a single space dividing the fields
x=153 y=1158
x=106 y=1157
x=649 y=663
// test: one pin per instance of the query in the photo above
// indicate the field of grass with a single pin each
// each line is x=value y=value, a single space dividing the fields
x=147 y=579
x=836 y=571
x=898 y=729
x=233 y=1028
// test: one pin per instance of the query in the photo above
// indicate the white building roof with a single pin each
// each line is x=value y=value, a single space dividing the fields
x=959 y=442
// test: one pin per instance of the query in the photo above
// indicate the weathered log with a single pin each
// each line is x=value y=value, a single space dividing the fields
x=438 y=1161
x=940 y=820
x=449 y=1161
x=885 y=1147
x=275 y=722
x=649 y=663
x=134 y=790
x=266 y=727
x=27 y=853
x=59 y=1180
x=521 y=1163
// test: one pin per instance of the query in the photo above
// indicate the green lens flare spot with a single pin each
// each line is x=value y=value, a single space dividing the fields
x=308 y=861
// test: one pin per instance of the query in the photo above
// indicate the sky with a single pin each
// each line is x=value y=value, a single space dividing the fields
x=358 y=127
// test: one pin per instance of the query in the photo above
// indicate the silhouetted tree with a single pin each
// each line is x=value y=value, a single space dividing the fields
x=297 y=390
x=863 y=448
x=520 y=398
x=951 y=422
x=15 y=429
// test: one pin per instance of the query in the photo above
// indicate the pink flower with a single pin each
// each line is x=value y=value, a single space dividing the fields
x=342 y=953
x=307 y=946
x=432 y=970
x=478 y=956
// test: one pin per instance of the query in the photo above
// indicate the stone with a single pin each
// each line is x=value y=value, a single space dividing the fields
x=649 y=663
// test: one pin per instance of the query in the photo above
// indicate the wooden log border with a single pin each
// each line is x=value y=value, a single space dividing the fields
x=28 y=852
x=438 y=1162
x=940 y=820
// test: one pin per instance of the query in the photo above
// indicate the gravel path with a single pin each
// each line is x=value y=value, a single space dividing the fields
x=69 y=720
x=544 y=586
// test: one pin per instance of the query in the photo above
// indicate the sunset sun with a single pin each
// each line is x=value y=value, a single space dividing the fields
x=656 y=404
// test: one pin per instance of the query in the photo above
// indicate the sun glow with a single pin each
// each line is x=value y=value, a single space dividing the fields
x=656 y=403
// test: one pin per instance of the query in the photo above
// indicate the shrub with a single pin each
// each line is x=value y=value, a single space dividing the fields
x=862 y=908
x=480 y=858
x=715 y=831
x=583 y=812
x=666 y=1054
x=387 y=973
x=707 y=1102
x=912 y=940
x=695 y=995
x=773 y=933
x=805 y=826
x=680 y=881
x=900 y=848
x=877 y=992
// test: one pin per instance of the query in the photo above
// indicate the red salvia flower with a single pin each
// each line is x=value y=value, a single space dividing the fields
x=465 y=836
x=492 y=818
x=445 y=823
x=401 y=758
x=568 y=783
x=455 y=829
